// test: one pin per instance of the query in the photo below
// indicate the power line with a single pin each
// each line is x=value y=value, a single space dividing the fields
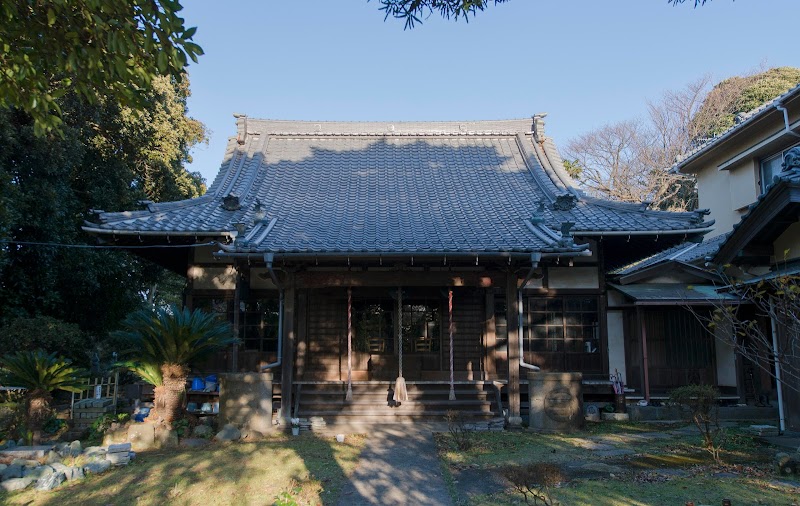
x=102 y=246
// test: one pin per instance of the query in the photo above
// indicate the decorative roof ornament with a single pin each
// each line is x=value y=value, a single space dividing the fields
x=565 y=202
x=791 y=163
x=566 y=234
x=538 y=126
x=259 y=213
x=538 y=214
x=231 y=202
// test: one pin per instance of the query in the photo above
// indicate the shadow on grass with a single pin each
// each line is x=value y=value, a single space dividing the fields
x=311 y=468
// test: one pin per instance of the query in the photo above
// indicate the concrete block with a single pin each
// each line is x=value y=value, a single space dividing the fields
x=142 y=436
x=245 y=400
x=556 y=401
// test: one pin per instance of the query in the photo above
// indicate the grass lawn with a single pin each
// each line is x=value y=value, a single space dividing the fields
x=309 y=469
x=667 y=469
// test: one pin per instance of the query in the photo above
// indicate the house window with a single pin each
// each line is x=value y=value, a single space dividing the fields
x=258 y=328
x=373 y=326
x=500 y=324
x=421 y=327
x=562 y=334
x=771 y=167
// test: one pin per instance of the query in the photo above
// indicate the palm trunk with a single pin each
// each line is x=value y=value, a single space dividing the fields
x=172 y=391
x=38 y=411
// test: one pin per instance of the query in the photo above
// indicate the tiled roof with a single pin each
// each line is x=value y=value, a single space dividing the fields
x=403 y=187
x=746 y=119
x=687 y=252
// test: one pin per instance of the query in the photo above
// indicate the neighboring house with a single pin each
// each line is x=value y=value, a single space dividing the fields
x=755 y=207
x=446 y=252
x=658 y=304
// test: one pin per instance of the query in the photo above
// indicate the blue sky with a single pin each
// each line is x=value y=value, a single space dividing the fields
x=585 y=62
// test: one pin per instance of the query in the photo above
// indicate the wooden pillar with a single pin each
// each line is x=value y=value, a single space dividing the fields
x=645 y=365
x=237 y=317
x=489 y=338
x=289 y=341
x=301 y=318
x=512 y=317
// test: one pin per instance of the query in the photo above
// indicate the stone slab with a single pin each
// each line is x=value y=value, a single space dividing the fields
x=27 y=452
x=15 y=484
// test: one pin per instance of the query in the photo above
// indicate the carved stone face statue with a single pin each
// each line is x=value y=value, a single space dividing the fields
x=791 y=160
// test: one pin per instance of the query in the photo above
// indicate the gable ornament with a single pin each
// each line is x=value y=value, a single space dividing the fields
x=565 y=202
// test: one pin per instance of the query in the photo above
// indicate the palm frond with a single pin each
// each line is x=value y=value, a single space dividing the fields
x=174 y=336
x=37 y=370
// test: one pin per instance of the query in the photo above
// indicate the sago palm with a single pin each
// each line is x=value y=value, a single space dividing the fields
x=166 y=341
x=40 y=374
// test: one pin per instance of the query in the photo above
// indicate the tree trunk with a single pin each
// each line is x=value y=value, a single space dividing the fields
x=172 y=392
x=38 y=411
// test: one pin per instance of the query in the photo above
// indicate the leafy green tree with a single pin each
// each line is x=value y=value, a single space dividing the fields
x=171 y=339
x=739 y=95
x=45 y=333
x=108 y=158
x=40 y=374
x=48 y=47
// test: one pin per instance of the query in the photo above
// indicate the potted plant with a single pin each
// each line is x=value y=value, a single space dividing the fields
x=295 y=426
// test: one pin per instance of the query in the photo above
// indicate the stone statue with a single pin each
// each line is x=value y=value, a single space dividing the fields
x=791 y=162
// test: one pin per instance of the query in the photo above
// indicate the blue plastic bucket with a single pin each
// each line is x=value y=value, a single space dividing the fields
x=198 y=384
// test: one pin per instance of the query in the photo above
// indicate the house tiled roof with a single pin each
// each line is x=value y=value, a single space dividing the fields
x=331 y=187
x=687 y=252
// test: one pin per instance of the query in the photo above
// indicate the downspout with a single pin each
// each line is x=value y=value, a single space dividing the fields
x=788 y=130
x=269 y=258
x=778 y=382
x=535 y=258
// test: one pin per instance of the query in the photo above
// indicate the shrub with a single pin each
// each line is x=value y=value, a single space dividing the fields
x=534 y=481
x=46 y=333
x=40 y=374
x=459 y=431
x=699 y=406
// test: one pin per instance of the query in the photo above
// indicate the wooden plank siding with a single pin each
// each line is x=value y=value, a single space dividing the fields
x=326 y=330
x=324 y=350
x=468 y=322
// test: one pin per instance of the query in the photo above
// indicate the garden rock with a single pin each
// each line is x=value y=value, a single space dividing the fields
x=26 y=463
x=71 y=473
x=228 y=433
x=75 y=448
x=62 y=449
x=52 y=457
x=74 y=473
x=38 y=472
x=95 y=451
x=11 y=472
x=51 y=481
x=15 y=484
x=3 y=467
x=97 y=467
x=59 y=467
x=10 y=444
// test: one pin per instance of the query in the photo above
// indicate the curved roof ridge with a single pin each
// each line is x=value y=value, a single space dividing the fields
x=388 y=127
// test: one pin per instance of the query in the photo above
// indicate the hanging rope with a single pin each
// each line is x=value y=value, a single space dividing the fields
x=400 y=330
x=450 y=315
x=349 y=395
x=400 y=391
